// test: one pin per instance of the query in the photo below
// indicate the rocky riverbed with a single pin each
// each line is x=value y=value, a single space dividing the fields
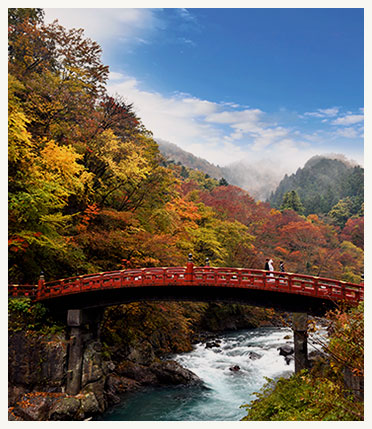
x=38 y=368
x=36 y=390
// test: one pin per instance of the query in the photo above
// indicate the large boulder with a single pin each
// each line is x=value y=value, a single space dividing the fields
x=140 y=373
x=254 y=355
x=34 y=406
x=285 y=350
x=89 y=405
x=142 y=354
x=65 y=409
x=171 y=372
x=116 y=385
x=211 y=344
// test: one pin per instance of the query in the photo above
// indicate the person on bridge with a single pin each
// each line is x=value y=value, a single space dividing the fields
x=282 y=270
x=267 y=268
x=271 y=268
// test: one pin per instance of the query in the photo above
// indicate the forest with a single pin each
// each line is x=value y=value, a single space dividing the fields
x=89 y=190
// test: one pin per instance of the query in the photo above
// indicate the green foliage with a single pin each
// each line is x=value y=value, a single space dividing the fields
x=23 y=315
x=342 y=211
x=203 y=180
x=319 y=394
x=321 y=183
x=223 y=182
x=291 y=201
x=165 y=327
x=303 y=398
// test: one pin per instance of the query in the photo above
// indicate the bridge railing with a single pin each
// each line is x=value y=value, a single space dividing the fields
x=281 y=282
x=22 y=290
x=197 y=276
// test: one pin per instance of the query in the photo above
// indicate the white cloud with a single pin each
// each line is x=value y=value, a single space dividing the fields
x=107 y=23
x=267 y=137
x=235 y=117
x=174 y=118
x=222 y=132
x=347 y=132
x=348 y=120
x=323 y=113
x=116 y=76
x=184 y=13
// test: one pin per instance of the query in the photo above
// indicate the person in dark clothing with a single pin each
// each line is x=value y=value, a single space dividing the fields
x=281 y=268
x=267 y=268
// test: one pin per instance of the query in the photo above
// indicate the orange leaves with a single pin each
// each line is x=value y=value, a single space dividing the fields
x=186 y=211
x=279 y=249
x=90 y=212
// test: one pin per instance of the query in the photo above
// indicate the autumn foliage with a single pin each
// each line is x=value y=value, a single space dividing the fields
x=89 y=190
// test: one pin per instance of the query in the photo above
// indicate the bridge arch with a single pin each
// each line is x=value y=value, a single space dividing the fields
x=282 y=291
x=83 y=298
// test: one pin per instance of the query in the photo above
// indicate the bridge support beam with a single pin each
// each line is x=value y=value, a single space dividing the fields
x=76 y=350
x=84 y=325
x=299 y=326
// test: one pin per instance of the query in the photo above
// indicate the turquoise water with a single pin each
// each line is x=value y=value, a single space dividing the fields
x=223 y=391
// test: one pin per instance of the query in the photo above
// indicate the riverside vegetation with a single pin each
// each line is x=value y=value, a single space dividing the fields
x=89 y=191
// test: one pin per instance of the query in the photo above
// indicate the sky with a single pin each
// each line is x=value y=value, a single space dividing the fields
x=230 y=84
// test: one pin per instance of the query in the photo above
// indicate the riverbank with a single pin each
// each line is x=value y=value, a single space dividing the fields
x=125 y=358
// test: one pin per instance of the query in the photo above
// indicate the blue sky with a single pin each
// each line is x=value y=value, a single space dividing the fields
x=278 y=85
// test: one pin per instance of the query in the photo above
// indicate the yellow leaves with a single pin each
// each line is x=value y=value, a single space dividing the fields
x=275 y=212
x=313 y=218
x=19 y=139
x=124 y=159
x=59 y=164
x=61 y=159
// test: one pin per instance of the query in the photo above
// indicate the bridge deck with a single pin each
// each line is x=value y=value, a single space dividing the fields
x=154 y=282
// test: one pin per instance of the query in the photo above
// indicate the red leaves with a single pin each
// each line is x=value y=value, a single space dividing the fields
x=18 y=244
x=90 y=213
x=354 y=231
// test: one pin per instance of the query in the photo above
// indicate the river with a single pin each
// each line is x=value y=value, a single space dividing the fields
x=224 y=391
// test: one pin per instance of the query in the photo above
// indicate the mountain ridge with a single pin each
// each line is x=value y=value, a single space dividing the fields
x=259 y=181
x=263 y=181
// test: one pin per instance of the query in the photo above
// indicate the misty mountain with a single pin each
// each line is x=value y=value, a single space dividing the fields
x=321 y=183
x=174 y=153
x=259 y=179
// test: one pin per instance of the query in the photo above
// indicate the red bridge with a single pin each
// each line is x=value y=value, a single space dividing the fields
x=284 y=291
x=84 y=298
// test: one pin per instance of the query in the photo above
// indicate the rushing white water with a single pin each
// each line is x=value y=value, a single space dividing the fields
x=224 y=391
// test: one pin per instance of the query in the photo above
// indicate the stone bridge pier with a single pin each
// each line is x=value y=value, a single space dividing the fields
x=83 y=325
x=299 y=327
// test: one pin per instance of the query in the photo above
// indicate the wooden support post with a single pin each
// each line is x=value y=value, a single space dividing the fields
x=299 y=326
x=76 y=350
x=40 y=285
x=189 y=269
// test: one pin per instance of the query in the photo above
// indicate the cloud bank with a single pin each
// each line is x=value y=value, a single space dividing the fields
x=224 y=133
x=221 y=132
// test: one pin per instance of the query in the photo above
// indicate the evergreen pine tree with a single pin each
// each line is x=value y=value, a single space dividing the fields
x=291 y=201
